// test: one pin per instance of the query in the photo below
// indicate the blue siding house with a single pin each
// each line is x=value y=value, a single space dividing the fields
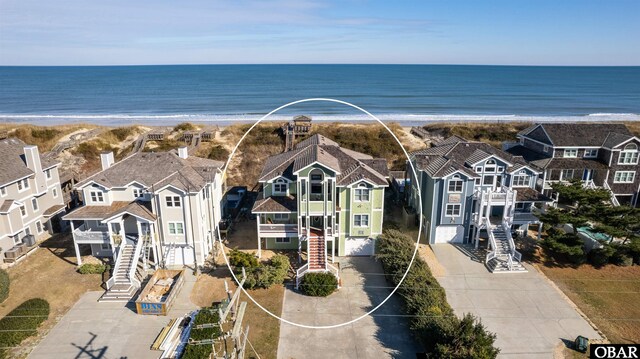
x=472 y=192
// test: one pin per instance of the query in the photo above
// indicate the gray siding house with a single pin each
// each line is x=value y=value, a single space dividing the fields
x=148 y=210
x=471 y=190
x=600 y=155
x=30 y=197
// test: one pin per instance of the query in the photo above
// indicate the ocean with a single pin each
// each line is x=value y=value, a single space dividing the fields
x=409 y=94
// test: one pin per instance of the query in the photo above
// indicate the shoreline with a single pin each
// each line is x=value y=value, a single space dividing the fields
x=405 y=120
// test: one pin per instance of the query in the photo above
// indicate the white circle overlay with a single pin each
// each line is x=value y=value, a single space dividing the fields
x=415 y=251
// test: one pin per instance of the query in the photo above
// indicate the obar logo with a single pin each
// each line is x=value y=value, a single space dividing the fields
x=614 y=351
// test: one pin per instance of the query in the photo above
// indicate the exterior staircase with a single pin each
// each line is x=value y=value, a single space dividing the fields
x=317 y=254
x=502 y=257
x=124 y=283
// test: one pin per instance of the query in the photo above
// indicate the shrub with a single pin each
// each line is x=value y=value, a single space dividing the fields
x=622 y=255
x=204 y=316
x=432 y=319
x=566 y=246
x=22 y=322
x=45 y=134
x=4 y=285
x=468 y=338
x=319 y=284
x=185 y=126
x=266 y=275
x=218 y=153
x=600 y=256
x=241 y=259
x=92 y=268
x=122 y=133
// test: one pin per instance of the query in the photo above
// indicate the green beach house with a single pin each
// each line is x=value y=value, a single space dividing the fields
x=321 y=199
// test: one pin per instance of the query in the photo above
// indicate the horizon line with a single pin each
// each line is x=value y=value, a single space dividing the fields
x=317 y=64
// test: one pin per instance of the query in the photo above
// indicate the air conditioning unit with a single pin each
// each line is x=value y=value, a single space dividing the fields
x=21 y=248
x=13 y=253
x=29 y=240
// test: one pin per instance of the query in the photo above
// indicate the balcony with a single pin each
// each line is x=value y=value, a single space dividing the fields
x=277 y=230
x=84 y=235
x=524 y=217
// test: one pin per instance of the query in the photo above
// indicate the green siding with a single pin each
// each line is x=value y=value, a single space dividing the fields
x=271 y=244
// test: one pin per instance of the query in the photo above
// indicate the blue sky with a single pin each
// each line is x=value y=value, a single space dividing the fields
x=113 y=32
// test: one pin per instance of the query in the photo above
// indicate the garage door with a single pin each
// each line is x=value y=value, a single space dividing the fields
x=449 y=234
x=359 y=246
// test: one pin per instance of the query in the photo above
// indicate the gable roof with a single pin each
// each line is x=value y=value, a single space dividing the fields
x=579 y=134
x=158 y=170
x=13 y=165
x=457 y=155
x=350 y=166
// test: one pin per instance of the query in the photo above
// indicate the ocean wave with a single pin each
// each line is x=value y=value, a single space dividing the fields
x=222 y=119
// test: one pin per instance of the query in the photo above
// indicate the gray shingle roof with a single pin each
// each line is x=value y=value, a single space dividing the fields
x=275 y=204
x=456 y=155
x=12 y=161
x=158 y=170
x=351 y=166
x=137 y=208
x=580 y=134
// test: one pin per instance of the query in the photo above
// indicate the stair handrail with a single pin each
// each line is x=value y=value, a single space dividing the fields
x=112 y=281
x=492 y=241
x=134 y=263
x=614 y=200
x=512 y=245
x=300 y=272
x=335 y=271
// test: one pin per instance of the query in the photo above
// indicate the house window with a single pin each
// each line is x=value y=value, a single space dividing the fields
x=521 y=180
x=23 y=185
x=280 y=186
x=478 y=169
x=283 y=240
x=55 y=193
x=3 y=191
x=591 y=153
x=520 y=205
x=453 y=210
x=39 y=227
x=16 y=239
x=99 y=224
x=97 y=197
x=488 y=180
x=34 y=204
x=362 y=193
x=138 y=193
x=48 y=173
x=23 y=211
x=105 y=246
x=629 y=156
x=281 y=217
x=490 y=166
x=176 y=228
x=173 y=201
x=566 y=174
x=27 y=231
x=455 y=184
x=571 y=153
x=624 y=177
x=361 y=220
x=477 y=181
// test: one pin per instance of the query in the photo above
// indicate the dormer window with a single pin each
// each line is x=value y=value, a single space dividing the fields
x=455 y=184
x=280 y=186
x=522 y=179
x=570 y=153
x=138 y=193
x=97 y=197
x=629 y=155
x=591 y=153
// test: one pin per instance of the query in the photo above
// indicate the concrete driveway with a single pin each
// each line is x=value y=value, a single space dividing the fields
x=109 y=330
x=529 y=316
x=385 y=334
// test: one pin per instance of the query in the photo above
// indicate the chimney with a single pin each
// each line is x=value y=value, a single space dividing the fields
x=183 y=152
x=106 y=158
x=32 y=157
